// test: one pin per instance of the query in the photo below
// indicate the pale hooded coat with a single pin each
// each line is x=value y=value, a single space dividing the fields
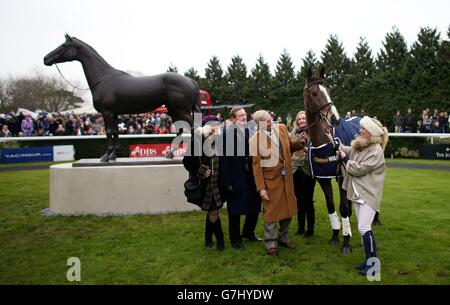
x=364 y=174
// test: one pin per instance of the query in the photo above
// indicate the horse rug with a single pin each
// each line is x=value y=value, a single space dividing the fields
x=323 y=159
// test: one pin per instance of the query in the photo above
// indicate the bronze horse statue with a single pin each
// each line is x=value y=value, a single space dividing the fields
x=116 y=92
x=322 y=117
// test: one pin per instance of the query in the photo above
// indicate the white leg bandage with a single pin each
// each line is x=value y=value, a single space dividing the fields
x=334 y=219
x=346 y=228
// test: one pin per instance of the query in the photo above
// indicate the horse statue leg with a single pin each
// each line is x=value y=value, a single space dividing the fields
x=327 y=189
x=108 y=117
x=345 y=209
x=115 y=138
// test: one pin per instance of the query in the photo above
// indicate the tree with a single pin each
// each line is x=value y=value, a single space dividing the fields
x=260 y=83
x=309 y=62
x=335 y=62
x=236 y=87
x=422 y=69
x=443 y=73
x=394 y=52
x=286 y=96
x=193 y=74
x=172 y=68
x=355 y=83
x=363 y=65
x=389 y=86
x=337 y=66
x=40 y=92
x=4 y=98
x=214 y=79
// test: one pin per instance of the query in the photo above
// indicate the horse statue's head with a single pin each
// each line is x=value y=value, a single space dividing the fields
x=321 y=114
x=66 y=52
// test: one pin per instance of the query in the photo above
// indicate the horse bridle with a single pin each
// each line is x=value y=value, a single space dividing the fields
x=319 y=116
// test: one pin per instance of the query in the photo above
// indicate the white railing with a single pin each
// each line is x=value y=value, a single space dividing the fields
x=420 y=135
x=36 y=138
x=172 y=135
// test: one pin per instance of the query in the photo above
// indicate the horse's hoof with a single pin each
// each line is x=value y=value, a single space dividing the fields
x=112 y=157
x=333 y=242
x=346 y=250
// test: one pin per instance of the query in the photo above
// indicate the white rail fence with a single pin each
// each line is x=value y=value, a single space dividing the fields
x=156 y=136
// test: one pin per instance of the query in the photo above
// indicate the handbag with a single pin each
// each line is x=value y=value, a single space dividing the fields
x=193 y=190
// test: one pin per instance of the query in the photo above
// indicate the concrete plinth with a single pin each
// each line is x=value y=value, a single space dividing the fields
x=118 y=190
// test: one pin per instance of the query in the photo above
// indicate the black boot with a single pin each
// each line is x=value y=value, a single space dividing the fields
x=208 y=233
x=369 y=250
x=311 y=220
x=219 y=234
x=248 y=231
x=234 y=230
x=301 y=219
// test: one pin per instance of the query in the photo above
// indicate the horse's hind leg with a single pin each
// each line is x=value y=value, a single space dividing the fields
x=108 y=117
x=182 y=120
x=345 y=210
x=327 y=189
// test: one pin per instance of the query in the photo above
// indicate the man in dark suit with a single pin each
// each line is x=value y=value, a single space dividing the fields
x=237 y=180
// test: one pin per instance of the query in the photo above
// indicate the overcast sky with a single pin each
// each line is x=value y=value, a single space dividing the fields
x=148 y=36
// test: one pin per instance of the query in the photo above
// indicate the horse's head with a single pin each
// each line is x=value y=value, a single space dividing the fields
x=321 y=114
x=65 y=52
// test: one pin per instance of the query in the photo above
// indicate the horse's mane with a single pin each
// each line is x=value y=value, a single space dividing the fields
x=314 y=79
x=90 y=49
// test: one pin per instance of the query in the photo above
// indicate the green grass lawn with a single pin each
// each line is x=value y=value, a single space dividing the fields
x=413 y=242
x=30 y=164
x=419 y=161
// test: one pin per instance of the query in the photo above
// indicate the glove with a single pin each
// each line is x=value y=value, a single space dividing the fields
x=336 y=143
x=202 y=171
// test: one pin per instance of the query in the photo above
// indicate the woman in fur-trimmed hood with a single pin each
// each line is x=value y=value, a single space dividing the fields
x=364 y=179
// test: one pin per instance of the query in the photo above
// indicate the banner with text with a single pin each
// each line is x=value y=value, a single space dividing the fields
x=154 y=150
x=38 y=154
x=434 y=151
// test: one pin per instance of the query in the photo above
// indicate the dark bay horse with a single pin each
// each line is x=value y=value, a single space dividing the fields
x=116 y=92
x=322 y=117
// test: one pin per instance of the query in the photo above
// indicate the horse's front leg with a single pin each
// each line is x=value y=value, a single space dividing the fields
x=345 y=208
x=108 y=119
x=327 y=189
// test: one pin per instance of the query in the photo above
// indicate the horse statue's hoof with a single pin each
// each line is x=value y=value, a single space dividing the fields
x=169 y=155
x=112 y=157
x=104 y=158
x=346 y=250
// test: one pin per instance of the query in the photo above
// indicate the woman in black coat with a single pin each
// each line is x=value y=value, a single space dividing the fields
x=206 y=169
x=237 y=180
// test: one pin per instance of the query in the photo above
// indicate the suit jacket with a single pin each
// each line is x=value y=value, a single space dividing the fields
x=269 y=159
x=236 y=172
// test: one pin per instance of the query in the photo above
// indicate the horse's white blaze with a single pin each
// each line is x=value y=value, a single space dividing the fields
x=335 y=112
x=327 y=96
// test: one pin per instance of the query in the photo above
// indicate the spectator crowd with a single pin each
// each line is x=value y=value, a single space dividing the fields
x=57 y=124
